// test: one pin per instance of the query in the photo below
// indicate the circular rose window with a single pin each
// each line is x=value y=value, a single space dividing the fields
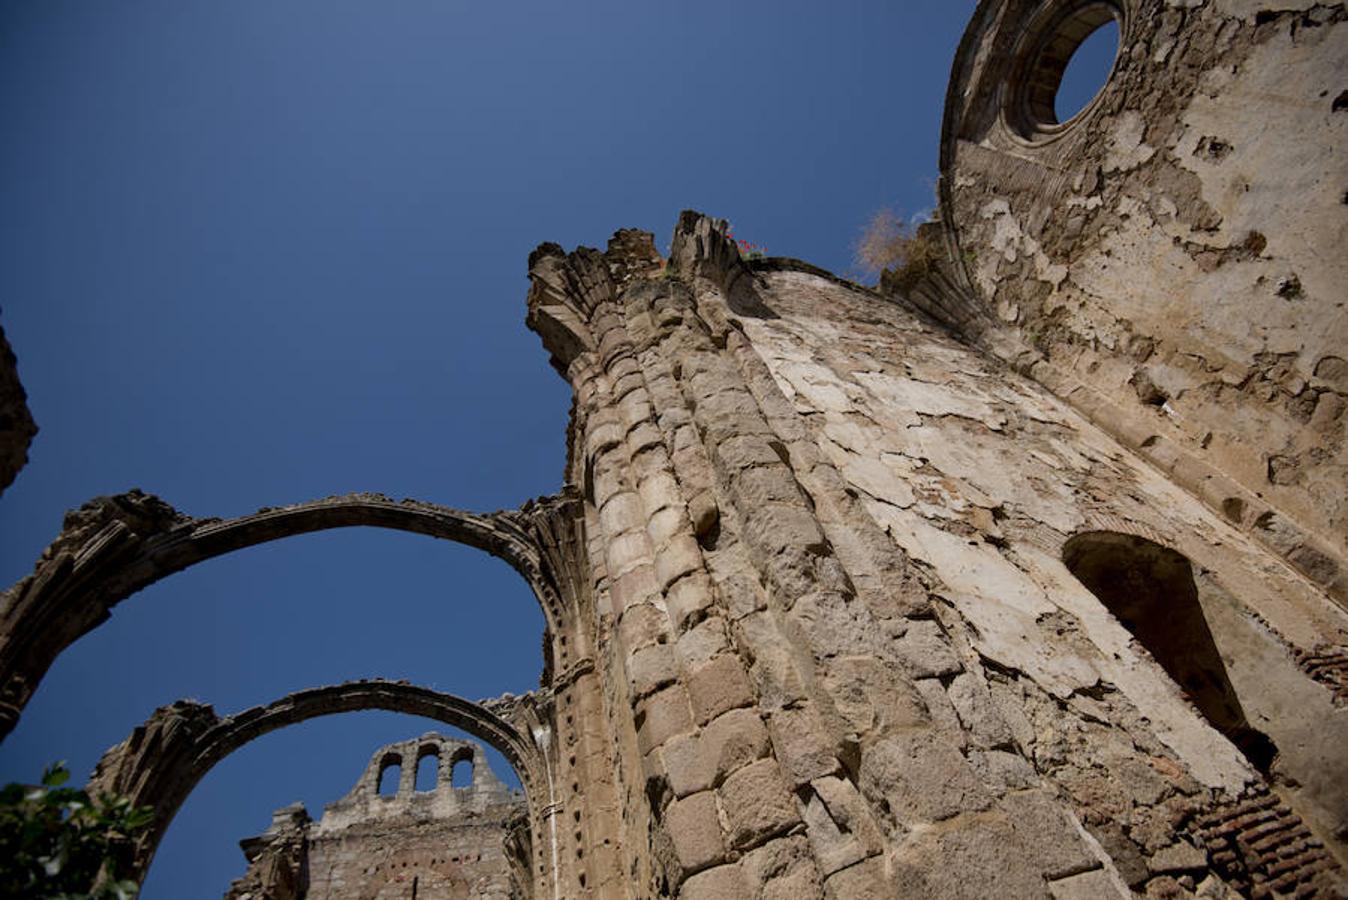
x=1063 y=66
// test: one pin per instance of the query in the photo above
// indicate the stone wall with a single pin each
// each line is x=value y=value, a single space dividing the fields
x=1170 y=260
x=981 y=477
x=445 y=843
x=162 y=760
x=828 y=545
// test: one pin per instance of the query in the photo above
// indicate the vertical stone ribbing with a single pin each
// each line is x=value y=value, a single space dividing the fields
x=726 y=763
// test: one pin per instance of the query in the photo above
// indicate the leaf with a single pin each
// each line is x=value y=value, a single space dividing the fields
x=139 y=817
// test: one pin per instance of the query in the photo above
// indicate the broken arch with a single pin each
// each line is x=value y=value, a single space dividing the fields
x=163 y=760
x=113 y=547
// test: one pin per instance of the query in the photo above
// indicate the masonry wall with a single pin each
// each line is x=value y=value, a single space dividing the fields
x=981 y=477
x=448 y=843
x=1171 y=258
x=830 y=596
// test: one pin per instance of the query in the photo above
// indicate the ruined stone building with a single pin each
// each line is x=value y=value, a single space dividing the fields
x=442 y=842
x=1023 y=576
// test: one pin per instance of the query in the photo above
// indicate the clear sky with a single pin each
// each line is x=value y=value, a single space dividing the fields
x=253 y=253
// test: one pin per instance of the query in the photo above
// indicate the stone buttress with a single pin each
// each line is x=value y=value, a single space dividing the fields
x=843 y=651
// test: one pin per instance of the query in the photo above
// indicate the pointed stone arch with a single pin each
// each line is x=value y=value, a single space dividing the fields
x=112 y=547
x=163 y=760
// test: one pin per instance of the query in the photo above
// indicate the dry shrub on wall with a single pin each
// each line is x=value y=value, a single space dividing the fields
x=901 y=250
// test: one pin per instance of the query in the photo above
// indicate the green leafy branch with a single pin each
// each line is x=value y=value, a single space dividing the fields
x=56 y=843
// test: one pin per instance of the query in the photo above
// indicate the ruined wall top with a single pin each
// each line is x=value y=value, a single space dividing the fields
x=365 y=802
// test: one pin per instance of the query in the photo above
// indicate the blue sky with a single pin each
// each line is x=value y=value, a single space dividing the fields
x=255 y=253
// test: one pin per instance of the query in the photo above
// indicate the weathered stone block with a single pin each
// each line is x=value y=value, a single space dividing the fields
x=664 y=524
x=733 y=740
x=695 y=829
x=783 y=869
x=922 y=778
x=686 y=765
x=702 y=642
x=775 y=672
x=1094 y=885
x=804 y=746
x=766 y=484
x=744 y=451
x=650 y=668
x=834 y=847
x=718 y=686
x=757 y=803
x=627 y=551
x=720 y=883
x=640 y=623
x=1177 y=858
x=862 y=881
x=704 y=512
x=622 y=512
x=688 y=597
x=778 y=527
x=926 y=650
x=740 y=595
x=837 y=625
x=871 y=694
x=658 y=490
x=977 y=712
x=635 y=408
x=677 y=558
x=663 y=715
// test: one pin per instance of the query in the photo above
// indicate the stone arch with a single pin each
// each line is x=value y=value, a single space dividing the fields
x=163 y=760
x=113 y=547
x=1151 y=590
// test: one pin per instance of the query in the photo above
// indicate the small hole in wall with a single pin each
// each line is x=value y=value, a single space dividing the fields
x=461 y=776
x=1087 y=71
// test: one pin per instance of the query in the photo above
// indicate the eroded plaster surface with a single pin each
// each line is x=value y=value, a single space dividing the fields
x=981 y=475
x=1177 y=249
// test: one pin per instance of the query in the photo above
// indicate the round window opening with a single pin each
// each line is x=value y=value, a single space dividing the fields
x=1067 y=66
x=1087 y=71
